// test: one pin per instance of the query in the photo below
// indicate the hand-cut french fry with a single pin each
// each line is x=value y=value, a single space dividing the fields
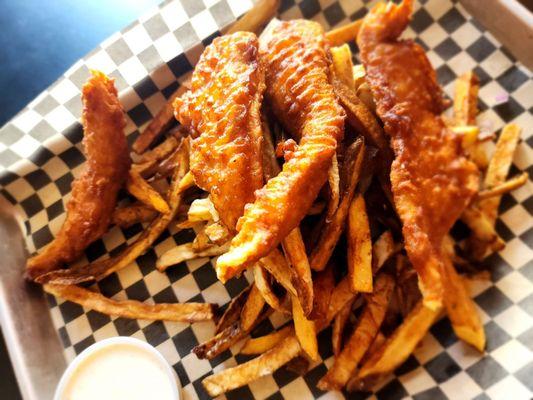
x=294 y=248
x=257 y=17
x=339 y=323
x=263 y=284
x=126 y=216
x=162 y=121
x=161 y=151
x=468 y=133
x=263 y=365
x=252 y=308
x=264 y=343
x=101 y=269
x=277 y=266
x=201 y=242
x=186 y=252
x=505 y=187
x=323 y=285
x=305 y=330
x=225 y=339
x=202 y=210
x=233 y=311
x=298 y=365
x=358 y=72
x=465 y=112
x=362 y=337
x=382 y=250
x=355 y=384
x=332 y=230
x=344 y=34
x=334 y=187
x=359 y=246
x=340 y=296
x=184 y=312
x=460 y=308
x=499 y=166
x=484 y=235
x=341 y=57
x=145 y=193
x=402 y=342
x=217 y=233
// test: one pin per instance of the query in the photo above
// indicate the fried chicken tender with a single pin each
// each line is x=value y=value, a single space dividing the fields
x=94 y=193
x=432 y=181
x=222 y=110
x=296 y=61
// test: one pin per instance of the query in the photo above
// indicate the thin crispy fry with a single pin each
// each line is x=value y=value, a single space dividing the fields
x=252 y=308
x=305 y=330
x=461 y=309
x=342 y=63
x=332 y=230
x=185 y=252
x=294 y=248
x=277 y=266
x=184 y=312
x=159 y=152
x=382 y=250
x=145 y=193
x=263 y=365
x=258 y=16
x=201 y=242
x=103 y=268
x=505 y=187
x=484 y=235
x=499 y=166
x=339 y=323
x=359 y=246
x=340 y=296
x=217 y=233
x=402 y=342
x=334 y=188
x=233 y=311
x=162 y=121
x=264 y=343
x=126 y=216
x=202 y=210
x=263 y=284
x=323 y=285
x=362 y=337
x=344 y=34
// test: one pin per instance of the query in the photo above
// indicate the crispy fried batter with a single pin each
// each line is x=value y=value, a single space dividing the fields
x=94 y=193
x=297 y=76
x=432 y=181
x=222 y=112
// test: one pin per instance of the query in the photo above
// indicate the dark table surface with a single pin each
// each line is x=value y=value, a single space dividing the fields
x=39 y=41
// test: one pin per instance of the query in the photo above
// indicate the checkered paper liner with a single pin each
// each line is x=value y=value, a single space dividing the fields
x=40 y=155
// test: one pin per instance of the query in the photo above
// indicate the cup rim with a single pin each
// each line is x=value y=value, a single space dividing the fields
x=171 y=374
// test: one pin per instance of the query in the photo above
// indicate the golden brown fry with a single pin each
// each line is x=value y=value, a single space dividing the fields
x=263 y=365
x=505 y=187
x=359 y=75
x=499 y=166
x=126 y=216
x=252 y=308
x=233 y=311
x=362 y=337
x=201 y=241
x=294 y=248
x=402 y=342
x=257 y=17
x=340 y=296
x=305 y=330
x=103 y=268
x=277 y=266
x=186 y=252
x=342 y=64
x=344 y=34
x=333 y=229
x=323 y=285
x=461 y=309
x=159 y=152
x=202 y=210
x=145 y=193
x=94 y=192
x=339 y=323
x=264 y=343
x=184 y=312
x=383 y=249
x=217 y=233
x=263 y=284
x=359 y=246
x=483 y=233
x=334 y=188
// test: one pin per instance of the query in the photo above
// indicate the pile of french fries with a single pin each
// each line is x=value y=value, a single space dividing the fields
x=345 y=267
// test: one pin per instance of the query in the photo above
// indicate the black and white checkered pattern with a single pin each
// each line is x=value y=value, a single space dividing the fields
x=148 y=60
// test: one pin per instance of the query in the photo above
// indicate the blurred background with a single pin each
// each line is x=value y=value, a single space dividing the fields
x=39 y=40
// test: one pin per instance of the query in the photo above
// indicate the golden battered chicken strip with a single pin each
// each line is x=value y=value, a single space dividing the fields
x=94 y=193
x=222 y=112
x=296 y=62
x=432 y=181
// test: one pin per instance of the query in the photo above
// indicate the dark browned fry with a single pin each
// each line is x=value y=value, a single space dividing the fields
x=233 y=311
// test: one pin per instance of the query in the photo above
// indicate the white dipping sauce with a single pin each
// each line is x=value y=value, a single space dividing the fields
x=117 y=372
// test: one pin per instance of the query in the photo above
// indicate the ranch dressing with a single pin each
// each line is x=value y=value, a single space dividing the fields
x=117 y=372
